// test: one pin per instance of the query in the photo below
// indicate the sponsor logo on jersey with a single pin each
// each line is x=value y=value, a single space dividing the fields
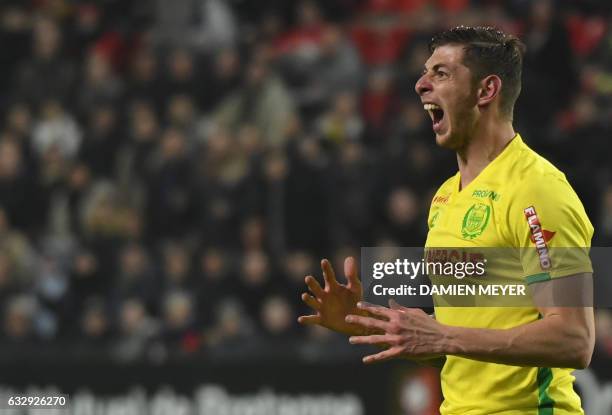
x=453 y=255
x=441 y=199
x=487 y=194
x=475 y=220
x=539 y=237
x=434 y=219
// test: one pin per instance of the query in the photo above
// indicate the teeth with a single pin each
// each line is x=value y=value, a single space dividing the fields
x=430 y=107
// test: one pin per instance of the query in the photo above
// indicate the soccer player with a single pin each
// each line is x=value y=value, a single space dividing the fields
x=499 y=360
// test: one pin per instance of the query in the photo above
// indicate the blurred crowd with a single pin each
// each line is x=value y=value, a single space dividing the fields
x=171 y=170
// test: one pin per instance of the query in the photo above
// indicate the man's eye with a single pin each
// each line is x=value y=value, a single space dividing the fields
x=441 y=74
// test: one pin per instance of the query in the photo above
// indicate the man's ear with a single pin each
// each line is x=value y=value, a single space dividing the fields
x=489 y=90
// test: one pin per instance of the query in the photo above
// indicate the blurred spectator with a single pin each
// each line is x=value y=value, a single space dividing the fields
x=380 y=39
x=19 y=258
x=225 y=188
x=303 y=40
x=95 y=327
x=19 y=315
x=298 y=264
x=56 y=131
x=179 y=332
x=18 y=191
x=137 y=331
x=19 y=121
x=181 y=74
x=230 y=330
x=202 y=24
x=103 y=214
x=253 y=234
x=15 y=25
x=51 y=288
x=603 y=325
x=379 y=105
x=48 y=74
x=263 y=101
x=177 y=275
x=338 y=67
x=136 y=279
x=221 y=79
x=404 y=225
x=101 y=141
x=135 y=156
x=170 y=205
x=342 y=122
x=144 y=78
x=181 y=114
x=256 y=278
x=277 y=317
x=215 y=283
x=318 y=63
x=100 y=84
x=86 y=279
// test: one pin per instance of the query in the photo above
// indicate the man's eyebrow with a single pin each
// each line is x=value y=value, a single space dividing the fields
x=436 y=67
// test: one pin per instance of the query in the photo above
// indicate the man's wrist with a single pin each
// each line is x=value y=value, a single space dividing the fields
x=450 y=342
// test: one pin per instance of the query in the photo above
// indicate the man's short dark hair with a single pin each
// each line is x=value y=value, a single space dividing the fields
x=489 y=51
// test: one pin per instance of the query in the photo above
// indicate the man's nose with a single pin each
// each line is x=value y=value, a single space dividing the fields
x=422 y=85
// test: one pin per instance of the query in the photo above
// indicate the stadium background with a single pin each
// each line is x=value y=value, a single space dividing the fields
x=171 y=170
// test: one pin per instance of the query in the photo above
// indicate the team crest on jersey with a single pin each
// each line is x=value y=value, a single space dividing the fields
x=475 y=220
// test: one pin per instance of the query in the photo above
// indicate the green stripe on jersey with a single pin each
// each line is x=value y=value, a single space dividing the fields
x=544 y=276
x=545 y=403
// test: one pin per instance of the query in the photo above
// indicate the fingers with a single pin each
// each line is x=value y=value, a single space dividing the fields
x=391 y=353
x=311 y=301
x=328 y=274
x=309 y=320
x=367 y=322
x=397 y=306
x=314 y=286
x=376 y=339
x=376 y=310
x=350 y=271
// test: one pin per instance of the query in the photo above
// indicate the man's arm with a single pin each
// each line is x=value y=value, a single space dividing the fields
x=563 y=337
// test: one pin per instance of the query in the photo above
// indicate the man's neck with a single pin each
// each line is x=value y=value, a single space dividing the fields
x=488 y=142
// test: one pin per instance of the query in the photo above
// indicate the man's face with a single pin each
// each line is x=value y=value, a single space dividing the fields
x=449 y=96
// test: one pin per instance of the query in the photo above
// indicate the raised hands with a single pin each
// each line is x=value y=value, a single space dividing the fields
x=405 y=333
x=333 y=302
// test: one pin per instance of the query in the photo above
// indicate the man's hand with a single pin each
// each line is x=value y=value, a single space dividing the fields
x=335 y=301
x=407 y=333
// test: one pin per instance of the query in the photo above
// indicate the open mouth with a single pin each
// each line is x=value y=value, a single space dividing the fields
x=436 y=113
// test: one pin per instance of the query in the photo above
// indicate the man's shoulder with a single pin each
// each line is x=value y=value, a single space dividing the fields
x=535 y=180
x=530 y=168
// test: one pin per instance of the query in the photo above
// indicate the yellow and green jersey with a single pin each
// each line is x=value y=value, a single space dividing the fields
x=519 y=200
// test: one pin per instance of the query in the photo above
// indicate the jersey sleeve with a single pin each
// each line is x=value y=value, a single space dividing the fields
x=551 y=229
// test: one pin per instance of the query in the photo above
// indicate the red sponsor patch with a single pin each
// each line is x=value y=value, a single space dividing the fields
x=548 y=235
x=539 y=237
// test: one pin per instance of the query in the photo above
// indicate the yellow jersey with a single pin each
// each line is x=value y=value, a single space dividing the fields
x=519 y=200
